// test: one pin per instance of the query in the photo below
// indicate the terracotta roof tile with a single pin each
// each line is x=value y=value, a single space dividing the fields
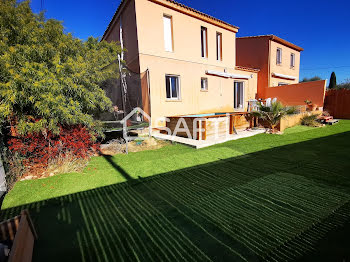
x=201 y=13
x=277 y=39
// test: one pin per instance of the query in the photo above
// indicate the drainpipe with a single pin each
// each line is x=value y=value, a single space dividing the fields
x=269 y=69
x=149 y=98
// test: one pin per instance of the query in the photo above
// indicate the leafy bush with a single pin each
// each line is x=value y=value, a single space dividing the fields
x=274 y=113
x=310 y=120
x=38 y=149
x=48 y=75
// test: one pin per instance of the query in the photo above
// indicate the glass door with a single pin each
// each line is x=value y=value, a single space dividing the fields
x=238 y=100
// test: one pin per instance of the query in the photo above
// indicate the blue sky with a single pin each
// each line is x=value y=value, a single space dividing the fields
x=321 y=27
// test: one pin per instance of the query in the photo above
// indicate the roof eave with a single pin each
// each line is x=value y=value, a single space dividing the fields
x=116 y=14
x=286 y=43
x=276 y=39
x=196 y=14
x=180 y=8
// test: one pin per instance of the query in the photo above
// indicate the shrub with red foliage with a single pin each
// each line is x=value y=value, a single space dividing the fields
x=38 y=149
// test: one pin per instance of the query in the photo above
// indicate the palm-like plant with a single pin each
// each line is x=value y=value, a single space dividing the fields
x=274 y=113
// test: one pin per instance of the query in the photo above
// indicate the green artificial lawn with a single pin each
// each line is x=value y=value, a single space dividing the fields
x=268 y=197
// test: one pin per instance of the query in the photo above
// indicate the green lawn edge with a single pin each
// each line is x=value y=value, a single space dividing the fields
x=104 y=171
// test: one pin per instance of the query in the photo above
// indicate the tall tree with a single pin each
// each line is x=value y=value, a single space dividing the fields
x=48 y=77
x=345 y=84
x=332 y=81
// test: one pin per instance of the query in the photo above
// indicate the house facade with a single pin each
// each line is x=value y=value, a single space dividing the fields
x=277 y=59
x=186 y=59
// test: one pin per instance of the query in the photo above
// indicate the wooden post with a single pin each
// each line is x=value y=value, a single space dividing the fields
x=3 y=186
x=21 y=233
x=150 y=108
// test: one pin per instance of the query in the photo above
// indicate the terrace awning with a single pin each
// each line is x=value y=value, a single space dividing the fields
x=227 y=75
x=284 y=76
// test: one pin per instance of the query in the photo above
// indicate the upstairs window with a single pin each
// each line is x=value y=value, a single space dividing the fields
x=292 y=60
x=172 y=84
x=168 y=33
x=279 y=56
x=218 y=46
x=204 y=42
x=204 y=84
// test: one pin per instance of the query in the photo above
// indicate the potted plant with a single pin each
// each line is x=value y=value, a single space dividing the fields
x=273 y=114
x=138 y=116
x=309 y=105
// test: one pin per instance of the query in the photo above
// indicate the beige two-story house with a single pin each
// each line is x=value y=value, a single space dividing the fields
x=186 y=59
x=277 y=59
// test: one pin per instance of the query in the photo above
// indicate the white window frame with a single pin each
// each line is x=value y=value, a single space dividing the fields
x=218 y=46
x=279 y=58
x=178 y=88
x=205 y=79
x=204 y=42
x=235 y=102
x=292 y=60
x=168 y=33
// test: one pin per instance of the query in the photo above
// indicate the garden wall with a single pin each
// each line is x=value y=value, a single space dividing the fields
x=296 y=94
x=337 y=103
x=289 y=121
x=294 y=120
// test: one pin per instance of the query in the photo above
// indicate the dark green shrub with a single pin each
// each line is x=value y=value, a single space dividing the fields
x=310 y=120
x=332 y=81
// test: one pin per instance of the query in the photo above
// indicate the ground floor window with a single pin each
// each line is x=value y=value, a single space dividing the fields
x=239 y=95
x=282 y=84
x=204 y=84
x=172 y=83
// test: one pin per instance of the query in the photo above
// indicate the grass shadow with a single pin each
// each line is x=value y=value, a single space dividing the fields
x=281 y=204
x=118 y=168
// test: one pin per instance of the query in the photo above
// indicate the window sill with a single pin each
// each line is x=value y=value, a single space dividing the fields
x=173 y=100
x=204 y=91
